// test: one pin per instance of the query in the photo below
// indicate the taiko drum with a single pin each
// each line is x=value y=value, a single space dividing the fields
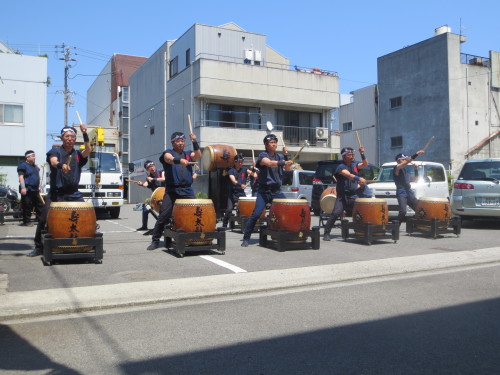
x=327 y=200
x=71 y=220
x=246 y=206
x=218 y=156
x=195 y=215
x=290 y=215
x=370 y=210
x=157 y=199
x=429 y=208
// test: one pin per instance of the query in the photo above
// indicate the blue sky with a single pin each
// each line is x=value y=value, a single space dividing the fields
x=346 y=37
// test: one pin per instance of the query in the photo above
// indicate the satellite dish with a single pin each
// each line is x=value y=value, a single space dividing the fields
x=269 y=126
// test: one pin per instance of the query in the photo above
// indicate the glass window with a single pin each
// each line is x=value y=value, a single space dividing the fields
x=11 y=114
x=298 y=126
x=125 y=94
x=233 y=116
x=480 y=170
x=306 y=178
x=346 y=126
x=174 y=68
x=124 y=127
x=397 y=141
x=396 y=102
x=188 y=57
x=436 y=173
x=125 y=111
x=125 y=145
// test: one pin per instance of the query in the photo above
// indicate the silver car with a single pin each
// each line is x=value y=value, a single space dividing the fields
x=476 y=192
x=297 y=184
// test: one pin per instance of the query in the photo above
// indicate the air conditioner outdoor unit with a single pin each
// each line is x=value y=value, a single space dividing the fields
x=322 y=133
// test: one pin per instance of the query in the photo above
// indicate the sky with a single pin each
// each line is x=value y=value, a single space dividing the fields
x=342 y=36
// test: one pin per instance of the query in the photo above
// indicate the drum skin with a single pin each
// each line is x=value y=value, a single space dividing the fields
x=433 y=208
x=246 y=206
x=71 y=220
x=157 y=198
x=194 y=215
x=290 y=215
x=327 y=199
x=218 y=156
x=370 y=210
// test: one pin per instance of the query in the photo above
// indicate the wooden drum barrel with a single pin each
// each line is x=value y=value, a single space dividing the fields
x=194 y=215
x=290 y=215
x=433 y=208
x=370 y=210
x=218 y=156
x=72 y=220
x=327 y=200
x=157 y=199
x=246 y=206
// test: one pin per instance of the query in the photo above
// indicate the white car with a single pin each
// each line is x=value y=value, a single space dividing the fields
x=432 y=182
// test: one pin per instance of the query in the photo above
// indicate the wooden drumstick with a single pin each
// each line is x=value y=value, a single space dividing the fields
x=429 y=143
x=79 y=118
x=137 y=182
x=359 y=140
x=253 y=156
x=192 y=162
x=282 y=141
x=190 y=125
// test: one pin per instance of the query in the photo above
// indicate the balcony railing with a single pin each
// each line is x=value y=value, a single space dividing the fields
x=474 y=60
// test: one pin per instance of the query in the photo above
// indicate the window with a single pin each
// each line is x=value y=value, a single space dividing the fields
x=174 y=69
x=125 y=94
x=396 y=102
x=124 y=127
x=436 y=173
x=125 y=111
x=298 y=126
x=397 y=141
x=152 y=130
x=232 y=116
x=346 y=126
x=11 y=114
x=188 y=57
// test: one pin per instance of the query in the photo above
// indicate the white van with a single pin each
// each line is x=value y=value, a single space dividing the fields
x=432 y=182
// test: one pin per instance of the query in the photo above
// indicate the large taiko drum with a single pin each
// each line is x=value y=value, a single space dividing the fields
x=71 y=220
x=194 y=215
x=246 y=206
x=327 y=200
x=157 y=199
x=290 y=215
x=433 y=208
x=218 y=156
x=370 y=210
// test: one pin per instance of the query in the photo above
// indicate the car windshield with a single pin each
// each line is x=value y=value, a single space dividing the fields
x=287 y=178
x=103 y=162
x=386 y=175
x=485 y=170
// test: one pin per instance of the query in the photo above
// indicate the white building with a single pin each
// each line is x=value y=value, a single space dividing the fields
x=23 y=99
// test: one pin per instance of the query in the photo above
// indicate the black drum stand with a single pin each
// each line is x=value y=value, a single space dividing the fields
x=288 y=240
x=179 y=240
x=239 y=222
x=369 y=233
x=72 y=248
x=434 y=227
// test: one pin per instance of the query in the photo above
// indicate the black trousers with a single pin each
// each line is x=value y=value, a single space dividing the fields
x=341 y=204
x=31 y=200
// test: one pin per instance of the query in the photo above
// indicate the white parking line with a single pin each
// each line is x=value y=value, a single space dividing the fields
x=221 y=263
x=124 y=226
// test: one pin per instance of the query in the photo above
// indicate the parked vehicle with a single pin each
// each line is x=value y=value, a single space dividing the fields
x=297 y=184
x=323 y=178
x=9 y=199
x=476 y=192
x=432 y=181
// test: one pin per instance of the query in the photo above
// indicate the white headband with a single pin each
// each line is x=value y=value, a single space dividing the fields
x=32 y=154
x=67 y=130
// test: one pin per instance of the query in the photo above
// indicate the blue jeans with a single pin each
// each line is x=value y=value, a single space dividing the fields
x=263 y=198
x=405 y=198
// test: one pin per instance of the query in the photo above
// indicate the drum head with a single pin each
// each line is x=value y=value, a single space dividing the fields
x=207 y=159
x=327 y=203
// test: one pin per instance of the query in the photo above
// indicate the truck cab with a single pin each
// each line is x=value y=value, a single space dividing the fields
x=432 y=181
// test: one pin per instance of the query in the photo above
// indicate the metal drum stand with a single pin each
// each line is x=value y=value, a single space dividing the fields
x=369 y=233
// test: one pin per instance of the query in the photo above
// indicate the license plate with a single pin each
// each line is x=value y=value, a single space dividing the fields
x=490 y=202
x=90 y=186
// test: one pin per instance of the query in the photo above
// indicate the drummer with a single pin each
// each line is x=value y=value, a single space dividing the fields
x=155 y=178
x=238 y=179
x=66 y=164
x=178 y=180
x=347 y=179
x=404 y=194
x=270 y=165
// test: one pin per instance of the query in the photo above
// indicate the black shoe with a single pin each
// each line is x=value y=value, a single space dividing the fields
x=35 y=253
x=142 y=228
x=244 y=243
x=326 y=237
x=154 y=245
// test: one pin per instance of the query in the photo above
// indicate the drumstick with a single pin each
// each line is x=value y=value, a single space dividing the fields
x=137 y=182
x=429 y=143
x=190 y=125
x=282 y=141
x=192 y=162
x=359 y=140
x=79 y=118
x=69 y=161
x=253 y=156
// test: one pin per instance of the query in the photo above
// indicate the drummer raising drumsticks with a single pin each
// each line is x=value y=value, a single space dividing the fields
x=155 y=178
x=66 y=165
x=347 y=178
x=178 y=166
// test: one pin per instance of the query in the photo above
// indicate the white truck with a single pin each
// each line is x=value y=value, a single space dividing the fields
x=101 y=181
x=432 y=181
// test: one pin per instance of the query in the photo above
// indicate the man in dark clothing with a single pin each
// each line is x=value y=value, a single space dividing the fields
x=29 y=187
x=237 y=183
x=348 y=190
x=178 y=180
x=270 y=165
x=66 y=164
x=154 y=179
x=404 y=194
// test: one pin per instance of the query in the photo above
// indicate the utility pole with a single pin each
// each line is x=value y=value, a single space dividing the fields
x=68 y=99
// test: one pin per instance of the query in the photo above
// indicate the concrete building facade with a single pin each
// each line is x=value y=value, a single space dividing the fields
x=23 y=103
